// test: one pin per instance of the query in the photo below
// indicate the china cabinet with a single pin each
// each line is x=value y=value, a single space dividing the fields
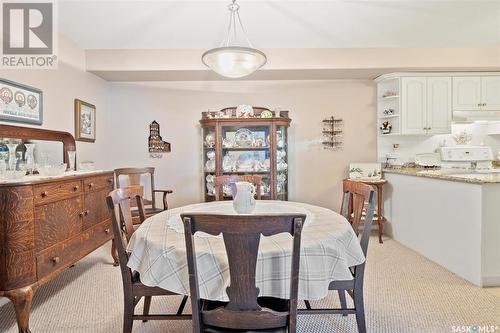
x=255 y=144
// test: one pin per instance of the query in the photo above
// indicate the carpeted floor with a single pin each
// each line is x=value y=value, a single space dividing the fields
x=404 y=293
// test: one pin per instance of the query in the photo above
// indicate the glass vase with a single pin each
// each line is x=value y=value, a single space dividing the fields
x=30 y=157
x=71 y=159
x=12 y=156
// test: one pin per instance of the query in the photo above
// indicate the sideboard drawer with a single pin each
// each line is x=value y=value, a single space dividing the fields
x=58 y=256
x=56 y=191
x=96 y=236
x=96 y=183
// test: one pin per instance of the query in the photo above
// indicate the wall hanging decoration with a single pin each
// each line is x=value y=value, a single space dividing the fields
x=232 y=59
x=157 y=147
x=332 y=133
x=20 y=103
x=85 y=121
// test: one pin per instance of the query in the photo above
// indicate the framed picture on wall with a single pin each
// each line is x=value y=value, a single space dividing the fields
x=85 y=121
x=20 y=103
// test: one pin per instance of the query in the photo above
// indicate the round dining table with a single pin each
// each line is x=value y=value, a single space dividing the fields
x=329 y=247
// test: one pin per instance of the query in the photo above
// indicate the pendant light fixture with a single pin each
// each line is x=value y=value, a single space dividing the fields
x=230 y=59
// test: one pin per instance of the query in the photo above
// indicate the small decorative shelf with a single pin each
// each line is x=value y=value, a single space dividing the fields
x=333 y=133
x=390 y=97
x=389 y=116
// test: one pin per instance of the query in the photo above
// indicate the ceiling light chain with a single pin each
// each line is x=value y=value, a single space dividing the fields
x=234 y=15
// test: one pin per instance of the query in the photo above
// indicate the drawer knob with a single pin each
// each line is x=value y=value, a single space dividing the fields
x=91 y=185
x=56 y=260
x=110 y=181
x=75 y=188
x=107 y=230
x=44 y=194
x=87 y=212
x=81 y=214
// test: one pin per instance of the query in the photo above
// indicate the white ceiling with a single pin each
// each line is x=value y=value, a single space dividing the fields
x=121 y=24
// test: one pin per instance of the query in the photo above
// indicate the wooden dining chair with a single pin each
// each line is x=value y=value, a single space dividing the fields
x=133 y=289
x=220 y=181
x=134 y=178
x=360 y=194
x=245 y=310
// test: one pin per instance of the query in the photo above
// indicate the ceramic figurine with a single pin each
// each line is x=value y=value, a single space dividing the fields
x=266 y=114
x=244 y=111
x=386 y=127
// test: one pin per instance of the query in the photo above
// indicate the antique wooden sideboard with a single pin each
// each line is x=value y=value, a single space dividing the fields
x=47 y=225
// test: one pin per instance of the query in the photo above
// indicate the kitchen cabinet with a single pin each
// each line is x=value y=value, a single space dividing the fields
x=466 y=93
x=476 y=93
x=426 y=105
x=414 y=105
x=439 y=105
x=490 y=93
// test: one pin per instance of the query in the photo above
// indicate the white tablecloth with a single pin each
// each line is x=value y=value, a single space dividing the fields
x=329 y=248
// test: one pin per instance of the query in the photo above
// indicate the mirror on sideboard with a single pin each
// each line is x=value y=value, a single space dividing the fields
x=25 y=148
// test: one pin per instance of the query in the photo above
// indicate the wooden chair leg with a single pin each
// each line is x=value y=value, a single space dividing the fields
x=114 y=254
x=128 y=314
x=380 y=230
x=343 y=301
x=360 y=311
x=182 y=305
x=147 y=305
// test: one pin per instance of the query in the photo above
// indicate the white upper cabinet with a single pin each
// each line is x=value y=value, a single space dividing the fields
x=426 y=105
x=466 y=93
x=476 y=93
x=439 y=105
x=414 y=105
x=490 y=93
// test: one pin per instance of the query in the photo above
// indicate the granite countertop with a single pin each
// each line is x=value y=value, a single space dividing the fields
x=452 y=175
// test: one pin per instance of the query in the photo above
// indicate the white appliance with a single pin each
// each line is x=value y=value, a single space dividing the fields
x=471 y=158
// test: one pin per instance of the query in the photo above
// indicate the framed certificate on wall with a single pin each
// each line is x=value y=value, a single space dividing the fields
x=20 y=103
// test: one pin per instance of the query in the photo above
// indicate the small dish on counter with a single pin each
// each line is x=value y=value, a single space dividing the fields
x=53 y=170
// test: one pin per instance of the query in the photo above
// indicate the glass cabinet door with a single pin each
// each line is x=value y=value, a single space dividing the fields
x=246 y=150
x=281 y=163
x=209 y=161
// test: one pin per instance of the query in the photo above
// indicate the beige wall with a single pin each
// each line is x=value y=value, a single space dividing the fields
x=315 y=173
x=60 y=87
